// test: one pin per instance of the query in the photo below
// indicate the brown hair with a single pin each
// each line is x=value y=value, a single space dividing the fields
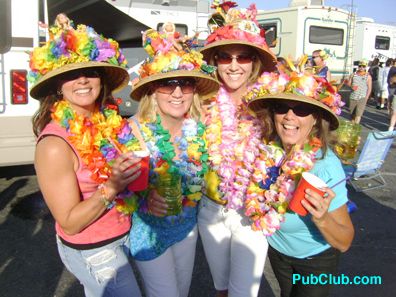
x=43 y=115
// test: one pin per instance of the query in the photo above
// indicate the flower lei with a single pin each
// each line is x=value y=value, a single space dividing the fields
x=274 y=180
x=233 y=137
x=95 y=139
x=191 y=163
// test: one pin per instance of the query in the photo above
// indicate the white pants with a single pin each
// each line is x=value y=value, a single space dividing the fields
x=236 y=254
x=169 y=275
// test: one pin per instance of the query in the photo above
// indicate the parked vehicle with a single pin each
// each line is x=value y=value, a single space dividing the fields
x=373 y=40
x=302 y=28
x=19 y=34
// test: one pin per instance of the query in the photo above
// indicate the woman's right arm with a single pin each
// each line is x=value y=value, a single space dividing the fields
x=56 y=166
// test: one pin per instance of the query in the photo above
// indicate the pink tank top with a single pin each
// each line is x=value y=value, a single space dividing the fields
x=111 y=224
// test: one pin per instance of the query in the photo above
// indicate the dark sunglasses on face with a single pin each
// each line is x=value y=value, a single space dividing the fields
x=223 y=58
x=75 y=74
x=301 y=110
x=187 y=86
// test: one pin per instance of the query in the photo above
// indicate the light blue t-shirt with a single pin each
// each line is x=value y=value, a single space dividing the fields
x=298 y=236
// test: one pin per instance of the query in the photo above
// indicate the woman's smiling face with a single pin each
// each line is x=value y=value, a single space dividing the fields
x=293 y=122
x=235 y=75
x=174 y=97
x=81 y=88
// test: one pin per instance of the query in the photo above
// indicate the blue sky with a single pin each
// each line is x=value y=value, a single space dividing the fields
x=382 y=11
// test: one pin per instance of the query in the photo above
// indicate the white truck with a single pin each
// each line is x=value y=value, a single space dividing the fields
x=373 y=40
x=19 y=34
x=302 y=28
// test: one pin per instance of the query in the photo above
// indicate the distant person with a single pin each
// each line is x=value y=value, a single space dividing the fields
x=80 y=167
x=383 y=80
x=376 y=85
x=392 y=102
x=360 y=83
x=319 y=58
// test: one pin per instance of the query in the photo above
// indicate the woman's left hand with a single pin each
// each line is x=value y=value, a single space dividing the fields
x=317 y=205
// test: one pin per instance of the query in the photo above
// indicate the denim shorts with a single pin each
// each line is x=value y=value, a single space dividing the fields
x=103 y=271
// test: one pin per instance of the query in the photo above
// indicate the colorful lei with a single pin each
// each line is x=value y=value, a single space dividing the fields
x=274 y=180
x=233 y=137
x=73 y=46
x=191 y=162
x=95 y=139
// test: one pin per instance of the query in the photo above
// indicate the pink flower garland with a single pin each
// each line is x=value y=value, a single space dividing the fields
x=233 y=137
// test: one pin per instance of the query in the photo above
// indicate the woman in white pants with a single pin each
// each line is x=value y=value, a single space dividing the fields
x=163 y=235
x=236 y=254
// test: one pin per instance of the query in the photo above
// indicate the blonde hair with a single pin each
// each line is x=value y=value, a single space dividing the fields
x=147 y=110
x=57 y=22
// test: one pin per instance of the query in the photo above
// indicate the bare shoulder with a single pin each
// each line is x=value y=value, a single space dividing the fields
x=53 y=150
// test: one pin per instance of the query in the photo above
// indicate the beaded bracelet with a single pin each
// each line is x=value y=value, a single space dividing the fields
x=104 y=195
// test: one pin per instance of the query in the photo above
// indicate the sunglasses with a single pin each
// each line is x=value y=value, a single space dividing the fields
x=300 y=110
x=75 y=74
x=223 y=58
x=187 y=86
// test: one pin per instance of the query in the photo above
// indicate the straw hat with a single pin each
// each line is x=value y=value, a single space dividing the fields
x=363 y=63
x=172 y=56
x=299 y=87
x=71 y=50
x=231 y=26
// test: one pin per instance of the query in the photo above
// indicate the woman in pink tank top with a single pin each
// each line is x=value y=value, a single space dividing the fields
x=84 y=158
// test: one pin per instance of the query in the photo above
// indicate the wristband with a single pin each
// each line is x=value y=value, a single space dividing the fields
x=104 y=196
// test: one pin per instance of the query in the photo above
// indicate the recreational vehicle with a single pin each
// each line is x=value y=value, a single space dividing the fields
x=373 y=40
x=19 y=34
x=302 y=28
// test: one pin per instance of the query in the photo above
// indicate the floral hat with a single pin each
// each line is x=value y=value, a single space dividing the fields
x=75 y=49
x=173 y=56
x=232 y=26
x=296 y=85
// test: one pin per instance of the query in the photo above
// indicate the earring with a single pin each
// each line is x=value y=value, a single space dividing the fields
x=59 y=92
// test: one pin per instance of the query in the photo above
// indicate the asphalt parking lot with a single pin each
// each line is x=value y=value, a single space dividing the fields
x=30 y=265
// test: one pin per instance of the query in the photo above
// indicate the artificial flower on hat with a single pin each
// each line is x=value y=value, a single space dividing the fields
x=229 y=25
x=72 y=49
x=296 y=84
x=172 y=55
x=72 y=46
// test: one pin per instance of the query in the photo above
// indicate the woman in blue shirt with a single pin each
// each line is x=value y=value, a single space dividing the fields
x=300 y=111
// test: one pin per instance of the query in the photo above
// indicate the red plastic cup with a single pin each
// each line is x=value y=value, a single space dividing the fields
x=141 y=183
x=308 y=181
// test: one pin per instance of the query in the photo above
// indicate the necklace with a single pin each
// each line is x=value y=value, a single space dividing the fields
x=97 y=139
x=274 y=182
x=190 y=162
x=233 y=136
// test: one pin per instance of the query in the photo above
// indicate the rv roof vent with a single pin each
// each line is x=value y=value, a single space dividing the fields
x=294 y=3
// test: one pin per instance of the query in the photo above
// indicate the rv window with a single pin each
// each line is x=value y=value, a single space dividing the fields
x=382 y=42
x=181 y=28
x=326 y=35
x=5 y=26
x=270 y=33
